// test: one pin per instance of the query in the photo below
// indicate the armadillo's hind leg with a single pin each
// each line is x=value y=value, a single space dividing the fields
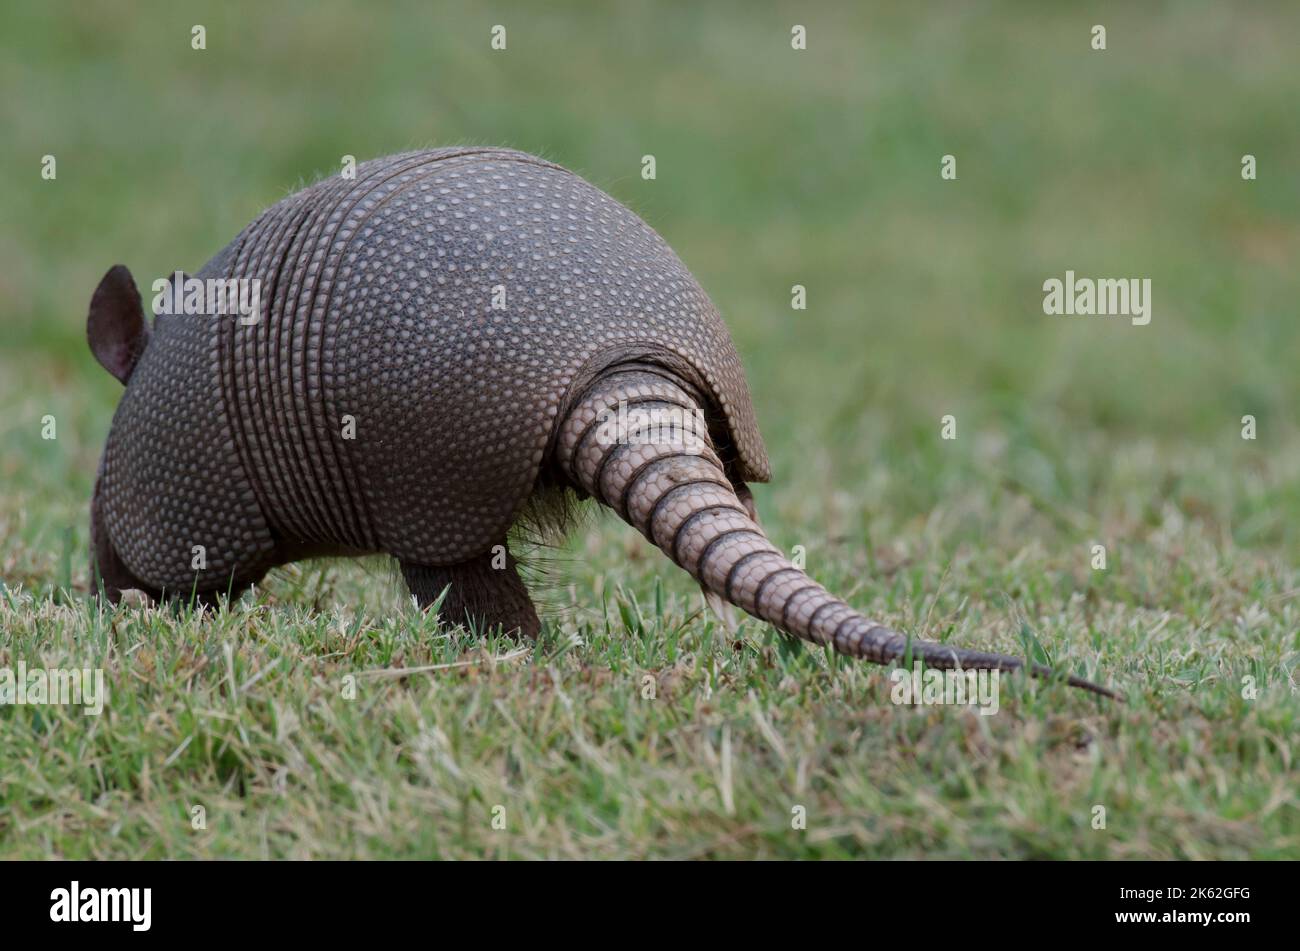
x=482 y=593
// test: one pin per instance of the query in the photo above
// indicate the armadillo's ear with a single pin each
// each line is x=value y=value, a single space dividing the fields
x=116 y=326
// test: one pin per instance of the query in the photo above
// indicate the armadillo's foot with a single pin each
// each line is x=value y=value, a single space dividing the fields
x=485 y=592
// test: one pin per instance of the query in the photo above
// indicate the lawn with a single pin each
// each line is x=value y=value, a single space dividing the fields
x=324 y=716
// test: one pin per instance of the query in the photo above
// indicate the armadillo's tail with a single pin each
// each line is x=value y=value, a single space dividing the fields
x=636 y=442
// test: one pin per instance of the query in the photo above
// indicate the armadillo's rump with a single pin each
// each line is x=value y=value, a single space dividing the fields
x=423 y=326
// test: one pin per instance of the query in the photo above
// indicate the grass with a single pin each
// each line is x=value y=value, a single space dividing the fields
x=774 y=168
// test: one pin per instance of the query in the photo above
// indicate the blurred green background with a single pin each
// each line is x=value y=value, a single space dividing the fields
x=775 y=167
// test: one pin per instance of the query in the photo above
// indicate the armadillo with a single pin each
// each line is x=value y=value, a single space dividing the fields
x=442 y=342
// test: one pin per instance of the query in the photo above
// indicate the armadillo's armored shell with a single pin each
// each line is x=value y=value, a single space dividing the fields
x=177 y=502
x=424 y=325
